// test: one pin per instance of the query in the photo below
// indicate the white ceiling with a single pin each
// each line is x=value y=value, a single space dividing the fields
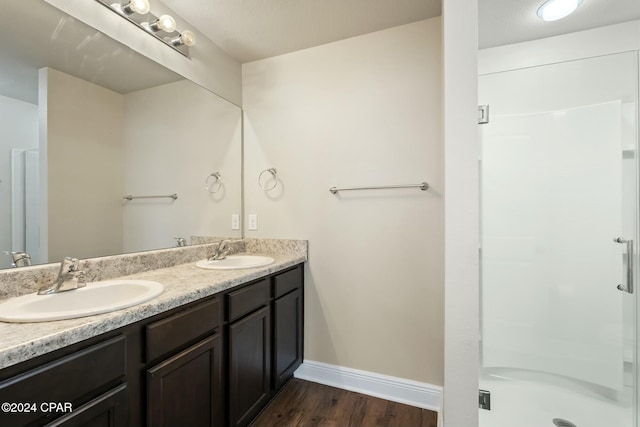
x=510 y=21
x=254 y=29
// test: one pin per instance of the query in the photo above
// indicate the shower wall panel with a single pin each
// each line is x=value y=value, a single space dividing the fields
x=551 y=203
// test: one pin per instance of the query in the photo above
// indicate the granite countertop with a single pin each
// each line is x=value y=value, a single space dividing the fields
x=182 y=284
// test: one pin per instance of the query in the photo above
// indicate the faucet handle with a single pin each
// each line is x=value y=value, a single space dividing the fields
x=69 y=265
x=19 y=258
x=81 y=276
x=222 y=250
x=74 y=264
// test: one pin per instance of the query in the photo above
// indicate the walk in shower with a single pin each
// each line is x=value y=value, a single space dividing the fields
x=558 y=177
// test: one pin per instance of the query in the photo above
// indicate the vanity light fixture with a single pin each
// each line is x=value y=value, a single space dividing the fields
x=165 y=23
x=163 y=28
x=187 y=38
x=141 y=7
x=552 y=10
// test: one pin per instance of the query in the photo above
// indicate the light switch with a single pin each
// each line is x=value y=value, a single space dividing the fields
x=253 y=221
x=235 y=221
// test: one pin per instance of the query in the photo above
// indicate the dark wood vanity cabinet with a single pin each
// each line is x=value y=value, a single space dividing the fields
x=288 y=325
x=249 y=367
x=214 y=362
x=249 y=351
x=265 y=337
x=186 y=388
x=71 y=389
x=287 y=337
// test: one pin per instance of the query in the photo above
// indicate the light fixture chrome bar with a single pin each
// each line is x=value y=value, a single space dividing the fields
x=130 y=197
x=423 y=186
x=144 y=22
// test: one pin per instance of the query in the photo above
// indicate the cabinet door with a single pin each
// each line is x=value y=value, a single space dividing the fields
x=287 y=337
x=186 y=389
x=249 y=367
x=107 y=410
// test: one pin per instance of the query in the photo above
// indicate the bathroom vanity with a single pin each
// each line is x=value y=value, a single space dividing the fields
x=217 y=357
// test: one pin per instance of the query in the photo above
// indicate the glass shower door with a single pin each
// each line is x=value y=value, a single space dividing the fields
x=558 y=185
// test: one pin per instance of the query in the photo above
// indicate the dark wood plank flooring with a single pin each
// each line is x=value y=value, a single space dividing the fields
x=306 y=404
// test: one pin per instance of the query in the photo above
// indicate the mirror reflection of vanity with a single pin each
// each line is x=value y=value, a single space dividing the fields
x=85 y=121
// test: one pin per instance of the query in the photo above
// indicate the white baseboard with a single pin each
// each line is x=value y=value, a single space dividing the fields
x=409 y=392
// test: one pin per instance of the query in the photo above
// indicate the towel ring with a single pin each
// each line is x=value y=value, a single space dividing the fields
x=215 y=183
x=274 y=175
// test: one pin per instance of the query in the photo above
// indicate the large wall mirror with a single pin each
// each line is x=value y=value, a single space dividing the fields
x=86 y=121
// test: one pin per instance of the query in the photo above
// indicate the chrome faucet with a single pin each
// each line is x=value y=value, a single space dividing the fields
x=70 y=277
x=222 y=250
x=20 y=259
x=180 y=242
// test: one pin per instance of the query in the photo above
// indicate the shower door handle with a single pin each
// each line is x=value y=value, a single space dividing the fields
x=629 y=243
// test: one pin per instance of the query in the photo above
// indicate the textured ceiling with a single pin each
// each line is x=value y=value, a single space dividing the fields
x=254 y=29
x=510 y=21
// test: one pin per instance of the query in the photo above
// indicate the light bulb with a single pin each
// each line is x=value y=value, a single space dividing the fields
x=552 y=10
x=187 y=38
x=164 y=23
x=141 y=7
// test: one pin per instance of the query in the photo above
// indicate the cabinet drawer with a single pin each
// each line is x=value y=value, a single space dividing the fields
x=181 y=328
x=247 y=299
x=287 y=282
x=72 y=378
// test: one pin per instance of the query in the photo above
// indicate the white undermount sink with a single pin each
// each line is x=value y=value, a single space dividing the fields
x=235 y=262
x=95 y=298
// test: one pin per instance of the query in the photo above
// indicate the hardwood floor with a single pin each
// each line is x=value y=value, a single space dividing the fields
x=306 y=404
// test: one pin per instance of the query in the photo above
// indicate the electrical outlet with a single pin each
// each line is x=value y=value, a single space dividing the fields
x=253 y=221
x=235 y=221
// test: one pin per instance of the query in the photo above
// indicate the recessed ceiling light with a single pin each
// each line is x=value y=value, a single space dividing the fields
x=552 y=10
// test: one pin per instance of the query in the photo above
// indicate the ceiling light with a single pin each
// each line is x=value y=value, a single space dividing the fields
x=552 y=10
x=187 y=38
x=140 y=7
x=164 y=23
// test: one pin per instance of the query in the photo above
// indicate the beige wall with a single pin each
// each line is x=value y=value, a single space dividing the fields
x=175 y=135
x=81 y=138
x=362 y=111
